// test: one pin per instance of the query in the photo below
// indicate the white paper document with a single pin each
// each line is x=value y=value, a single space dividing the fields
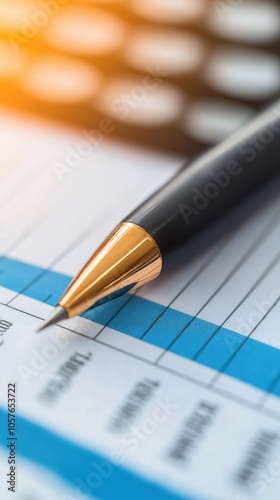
x=169 y=393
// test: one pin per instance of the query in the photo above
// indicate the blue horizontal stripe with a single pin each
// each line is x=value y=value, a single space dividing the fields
x=276 y=389
x=91 y=474
x=193 y=338
x=167 y=328
x=221 y=348
x=255 y=363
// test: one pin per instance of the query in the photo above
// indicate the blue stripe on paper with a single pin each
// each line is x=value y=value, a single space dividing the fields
x=90 y=474
x=255 y=363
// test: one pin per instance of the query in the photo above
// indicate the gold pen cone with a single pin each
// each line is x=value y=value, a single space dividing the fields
x=127 y=259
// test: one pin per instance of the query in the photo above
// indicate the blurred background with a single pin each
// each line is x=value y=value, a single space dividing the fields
x=177 y=75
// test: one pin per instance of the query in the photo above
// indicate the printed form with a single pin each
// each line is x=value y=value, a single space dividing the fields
x=172 y=392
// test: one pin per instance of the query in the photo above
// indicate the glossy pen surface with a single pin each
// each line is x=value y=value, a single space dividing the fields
x=205 y=199
x=194 y=207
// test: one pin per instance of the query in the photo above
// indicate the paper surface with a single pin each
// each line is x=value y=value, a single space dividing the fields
x=170 y=393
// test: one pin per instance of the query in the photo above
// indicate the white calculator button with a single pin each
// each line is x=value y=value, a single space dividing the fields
x=176 y=52
x=170 y=11
x=212 y=120
x=17 y=16
x=141 y=102
x=252 y=21
x=105 y=2
x=248 y=74
x=85 y=31
x=11 y=62
x=61 y=80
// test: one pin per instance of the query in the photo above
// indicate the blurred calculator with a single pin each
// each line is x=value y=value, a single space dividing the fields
x=178 y=75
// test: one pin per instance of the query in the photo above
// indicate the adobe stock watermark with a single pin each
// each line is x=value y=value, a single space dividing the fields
x=247 y=151
x=101 y=471
x=75 y=155
x=85 y=487
x=224 y=7
x=121 y=107
x=260 y=465
x=39 y=360
x=260 y=309
x=211 y=190
x=137 y=435
x=48 y=9
x=260 y=482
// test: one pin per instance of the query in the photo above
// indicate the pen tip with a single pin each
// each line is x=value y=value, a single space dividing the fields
x=57 y=315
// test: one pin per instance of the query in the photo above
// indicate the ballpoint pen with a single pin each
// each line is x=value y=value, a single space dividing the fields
x=194 y=209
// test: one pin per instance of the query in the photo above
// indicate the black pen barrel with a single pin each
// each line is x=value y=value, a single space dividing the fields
x=202 y=200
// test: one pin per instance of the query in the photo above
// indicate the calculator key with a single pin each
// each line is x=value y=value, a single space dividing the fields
x=11 y=62
x=141 y=102
x=61 y=80
x=15 y=15
x=252 y=21
x=85 y=31
x=174 y=52
x=101 y=2
x=245 y=74
x=170 y=11
x=211 y=121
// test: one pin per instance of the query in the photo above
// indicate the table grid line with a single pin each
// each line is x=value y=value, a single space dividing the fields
x=227 y=394
x=238 y=266
x=192 y=279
